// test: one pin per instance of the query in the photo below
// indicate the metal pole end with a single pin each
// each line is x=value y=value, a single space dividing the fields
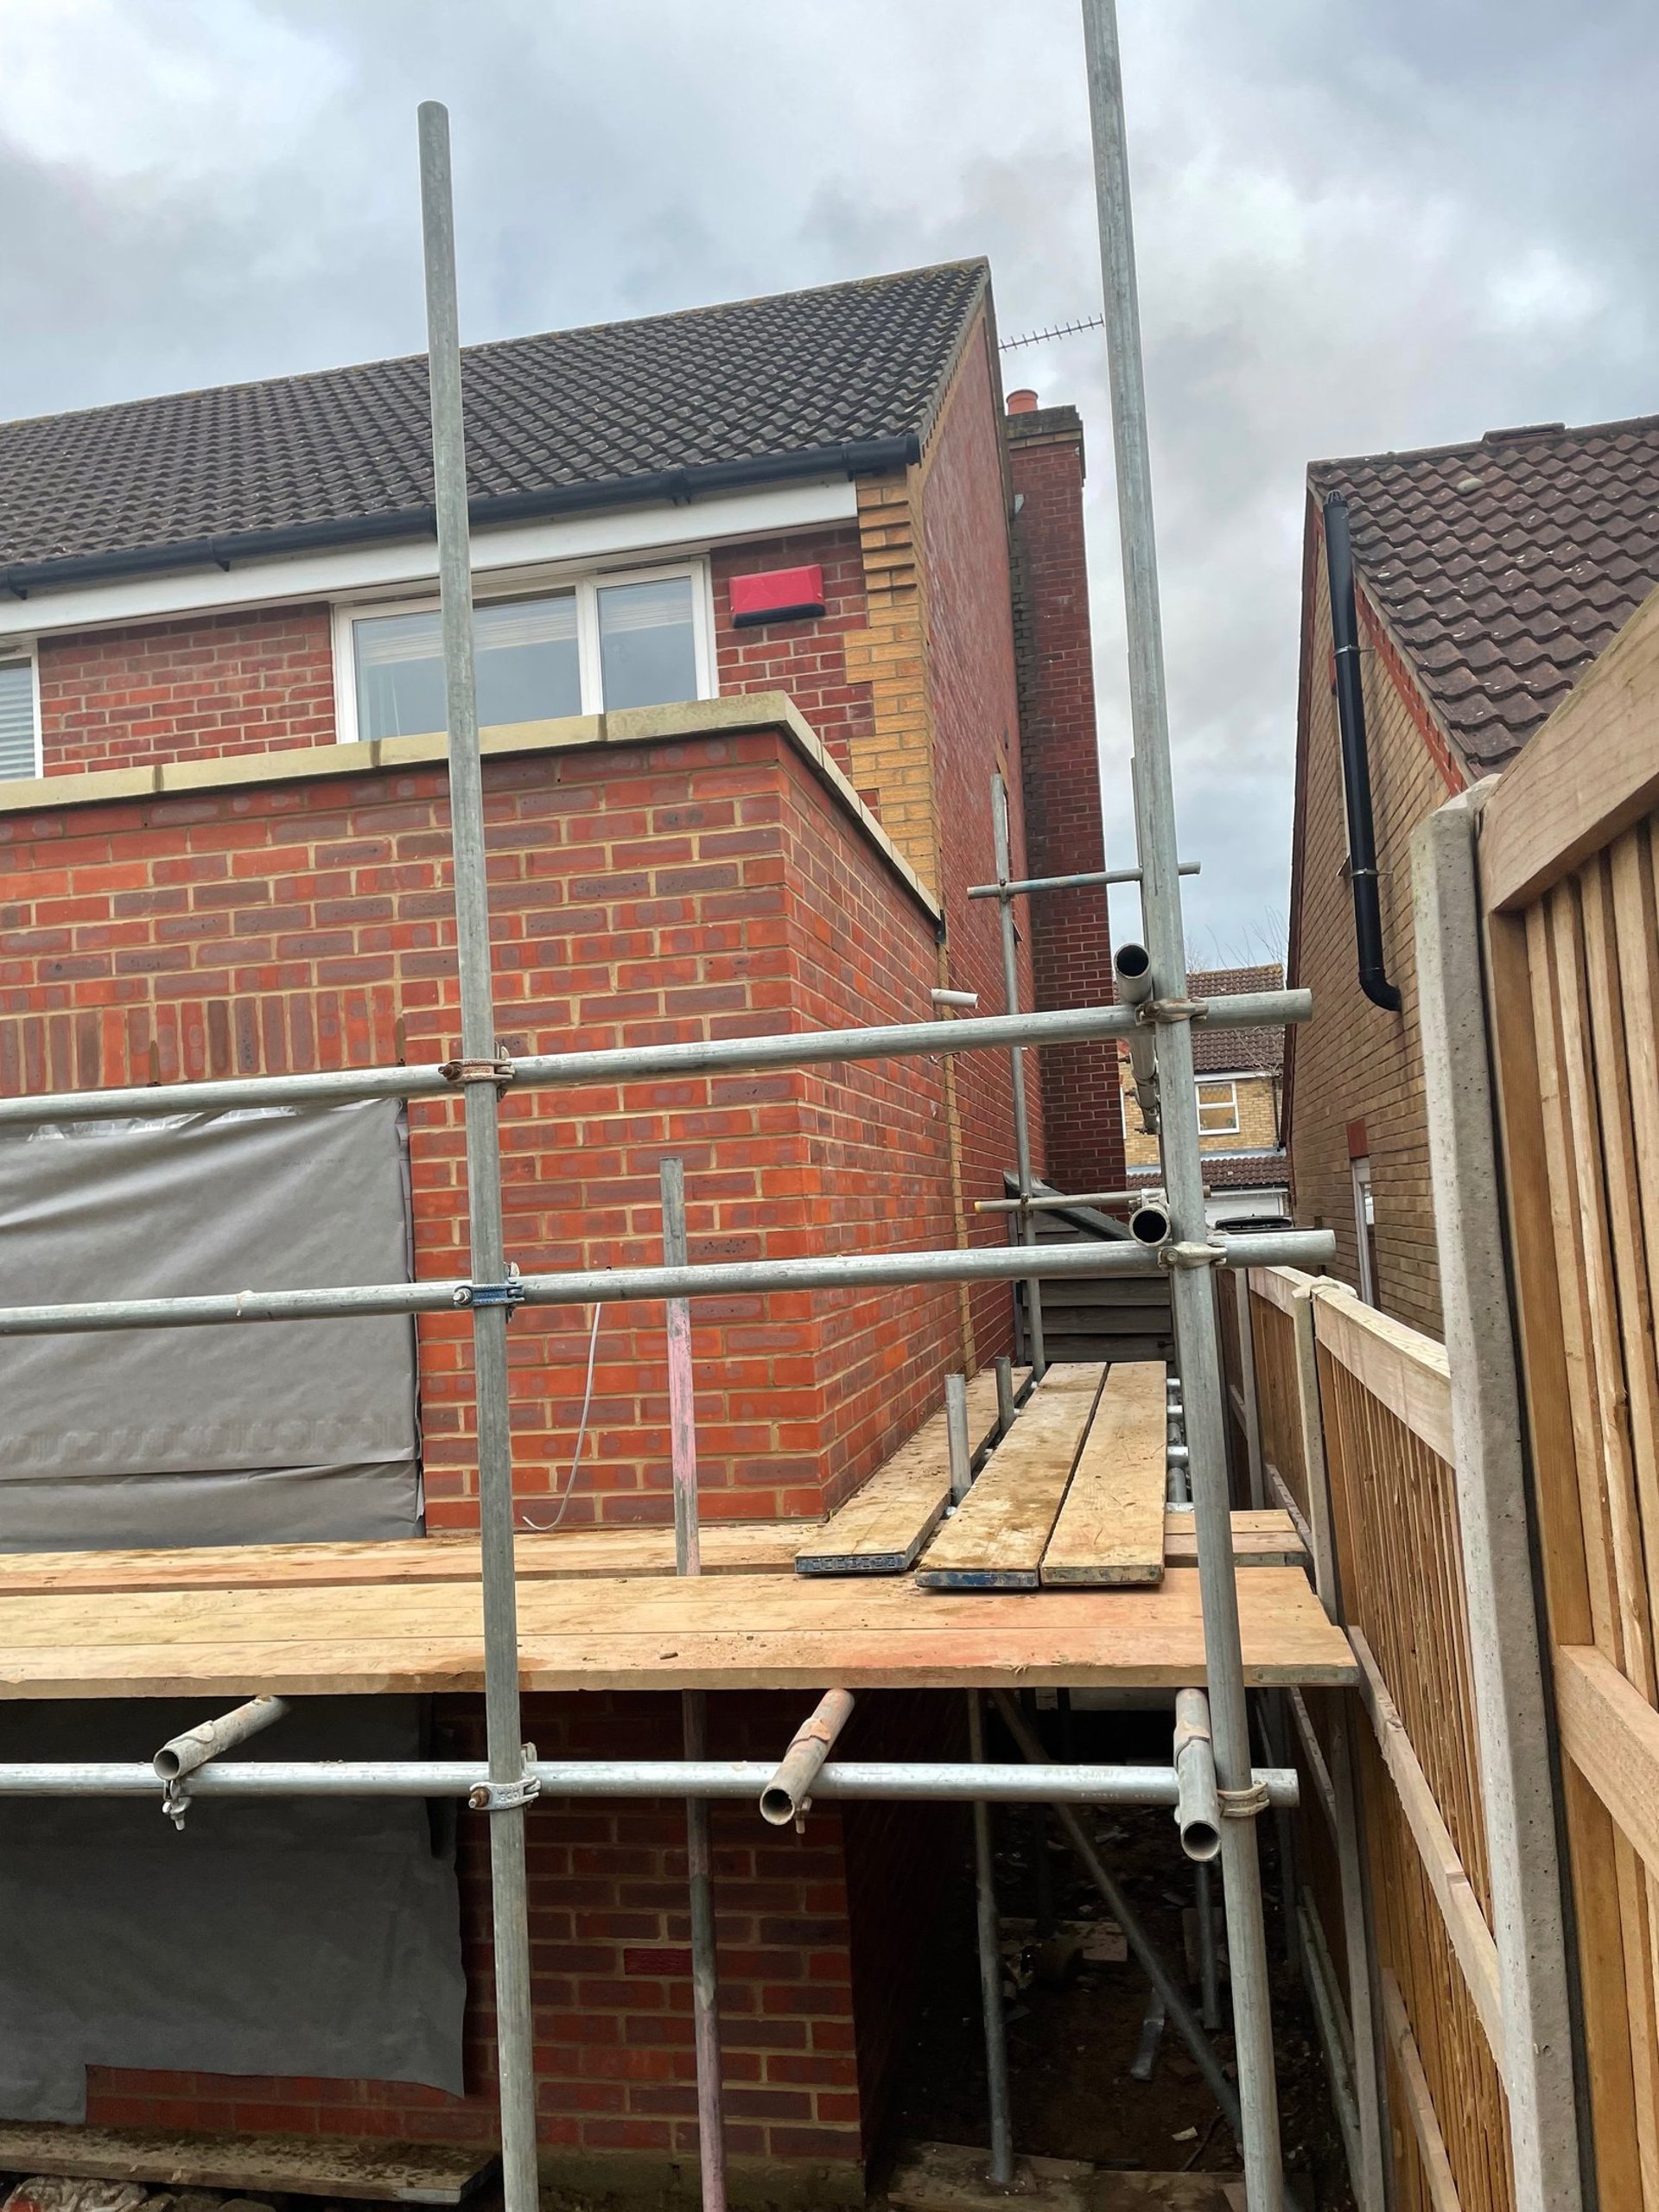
x=1149 y=1226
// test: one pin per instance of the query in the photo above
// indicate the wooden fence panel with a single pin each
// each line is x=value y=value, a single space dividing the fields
x=1574 y=1008
x=1273 y=1338
x=1352 y=1411
x=1384 y=1395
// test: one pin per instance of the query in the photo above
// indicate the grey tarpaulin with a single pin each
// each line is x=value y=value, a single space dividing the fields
x=289 y=1937
x=299 y=1937
x=280 y=1431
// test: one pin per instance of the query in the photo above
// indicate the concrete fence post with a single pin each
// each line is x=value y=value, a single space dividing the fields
x=1517 y=1777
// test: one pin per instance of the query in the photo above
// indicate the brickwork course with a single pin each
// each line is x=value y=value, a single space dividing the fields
x=205 y=882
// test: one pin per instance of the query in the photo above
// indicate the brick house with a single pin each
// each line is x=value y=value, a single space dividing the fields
x=766 y=594
x=1241 y=1121
x=1487 y=577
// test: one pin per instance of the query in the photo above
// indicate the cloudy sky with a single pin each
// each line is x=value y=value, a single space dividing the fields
x=1361 y=226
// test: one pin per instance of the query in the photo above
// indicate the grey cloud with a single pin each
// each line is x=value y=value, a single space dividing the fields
x=1360 y=227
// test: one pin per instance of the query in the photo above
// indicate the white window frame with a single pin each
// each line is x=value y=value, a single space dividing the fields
x=1229 y=1083
x=13 y=650
x=586 y=587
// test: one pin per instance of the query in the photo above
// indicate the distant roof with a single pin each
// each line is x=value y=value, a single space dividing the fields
x=1221 y=1052
x=572 y=418
x=1225 y=1171
x=1504 y=567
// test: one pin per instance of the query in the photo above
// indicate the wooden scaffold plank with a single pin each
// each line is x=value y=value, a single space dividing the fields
x=996 y=1538
x=761 y=1631
x=882 y=1529
x=1110 y=1528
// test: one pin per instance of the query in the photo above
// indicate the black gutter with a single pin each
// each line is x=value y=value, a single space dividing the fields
x=860 y=457
x=1355 y=767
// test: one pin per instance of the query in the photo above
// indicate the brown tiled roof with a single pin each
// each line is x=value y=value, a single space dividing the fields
x=1223 y=1051
x=1504 y=567
x=1227 y=1171
x=571 y=418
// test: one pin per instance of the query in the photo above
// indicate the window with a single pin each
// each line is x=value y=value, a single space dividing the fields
x=640 y=642
x=1217 y=1110
x=19 y=747
x=646 y=646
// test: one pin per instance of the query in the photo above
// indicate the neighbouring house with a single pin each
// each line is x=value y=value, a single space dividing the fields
x=1241 y=1121
x=1487 y=577
x=767 y=596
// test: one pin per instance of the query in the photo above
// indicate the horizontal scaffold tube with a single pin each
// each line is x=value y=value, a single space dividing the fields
x=794 y=1048
x=883 y=1779
x=1024 y=884
x=1304 y=1248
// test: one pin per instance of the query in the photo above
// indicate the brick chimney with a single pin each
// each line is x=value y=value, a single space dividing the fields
x=1071 y=952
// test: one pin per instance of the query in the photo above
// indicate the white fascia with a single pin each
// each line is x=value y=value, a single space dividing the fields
x=620 y=534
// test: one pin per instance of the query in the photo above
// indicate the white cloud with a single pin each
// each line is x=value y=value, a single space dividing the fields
x=122 y=88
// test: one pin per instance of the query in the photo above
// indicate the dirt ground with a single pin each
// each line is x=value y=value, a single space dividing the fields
x=1071 y=2041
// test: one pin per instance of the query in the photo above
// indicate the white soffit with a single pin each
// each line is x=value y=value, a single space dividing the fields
x=577 y=541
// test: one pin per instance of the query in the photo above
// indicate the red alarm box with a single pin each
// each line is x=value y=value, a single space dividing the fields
x=778 y=596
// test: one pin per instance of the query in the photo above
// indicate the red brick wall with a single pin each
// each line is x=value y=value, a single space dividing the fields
x=709 y=887
x=247 y=683
x=1071 y=955
x=705 y=887
x=971 y=668
x=611 y=1965
x=806 y=658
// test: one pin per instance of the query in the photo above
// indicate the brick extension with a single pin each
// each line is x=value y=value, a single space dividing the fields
x=295 y=914
x=191 y=914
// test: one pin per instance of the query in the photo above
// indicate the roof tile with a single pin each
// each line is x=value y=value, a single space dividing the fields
x=749 y=381
x=1505 y=567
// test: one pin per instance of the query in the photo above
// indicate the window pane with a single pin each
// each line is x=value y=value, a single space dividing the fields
x=16 y=718
x=399 y=676
x=526 y=665
x=646 y=645
x=527 y=669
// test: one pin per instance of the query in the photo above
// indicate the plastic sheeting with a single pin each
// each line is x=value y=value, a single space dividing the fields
x=311 y=1937
x=287 y=1936
x=277 y=1433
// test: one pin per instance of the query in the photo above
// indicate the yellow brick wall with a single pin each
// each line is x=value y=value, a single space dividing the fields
x=894 y=762
x=1353 y=1061
x=1258 y=1122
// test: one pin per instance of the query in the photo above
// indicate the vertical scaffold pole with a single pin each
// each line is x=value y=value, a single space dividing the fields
x=1004 y=861
x=509 y=1905
x=1193 y=1290
x=694 y=1710
x=990 y=1968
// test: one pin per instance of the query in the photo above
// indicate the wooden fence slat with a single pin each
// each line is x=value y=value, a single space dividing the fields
x=1419 y=2104
x=1465 y=1924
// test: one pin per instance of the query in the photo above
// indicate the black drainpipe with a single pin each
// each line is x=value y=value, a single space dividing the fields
x=1356 y=768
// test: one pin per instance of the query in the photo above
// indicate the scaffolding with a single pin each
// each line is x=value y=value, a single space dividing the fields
x=1209 y=1781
